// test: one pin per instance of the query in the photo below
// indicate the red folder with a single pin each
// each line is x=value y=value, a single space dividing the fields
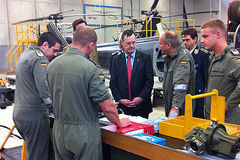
x=132 y=129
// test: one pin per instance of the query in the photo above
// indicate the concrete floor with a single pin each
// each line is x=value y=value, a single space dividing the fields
x=6 y=120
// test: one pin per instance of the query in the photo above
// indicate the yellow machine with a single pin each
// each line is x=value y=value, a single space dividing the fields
x=180 y=126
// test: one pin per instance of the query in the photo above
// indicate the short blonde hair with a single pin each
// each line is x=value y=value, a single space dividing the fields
x=215 y=24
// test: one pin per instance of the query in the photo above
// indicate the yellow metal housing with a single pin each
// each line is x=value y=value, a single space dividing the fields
x=180 y=126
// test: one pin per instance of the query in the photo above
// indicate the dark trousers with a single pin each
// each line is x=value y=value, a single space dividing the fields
x=199 y=108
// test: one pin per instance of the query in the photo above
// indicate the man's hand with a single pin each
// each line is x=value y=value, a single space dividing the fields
x=135 y=102
x=125 y=102
x=173 y=113
x=124 y=122
x=110 y=111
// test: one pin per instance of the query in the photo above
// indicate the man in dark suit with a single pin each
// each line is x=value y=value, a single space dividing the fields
x=201 y=59
x=131 y=80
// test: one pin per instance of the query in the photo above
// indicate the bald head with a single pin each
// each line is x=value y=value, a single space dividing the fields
x=83 y=36
x=169 y=43
x=172 y=38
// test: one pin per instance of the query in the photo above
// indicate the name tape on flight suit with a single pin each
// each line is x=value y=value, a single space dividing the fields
x=180 y=87
x=220 y=70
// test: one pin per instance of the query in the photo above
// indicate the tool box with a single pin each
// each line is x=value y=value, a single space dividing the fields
x=178 y=127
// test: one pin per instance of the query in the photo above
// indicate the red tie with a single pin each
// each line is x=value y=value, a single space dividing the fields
x=129 y=71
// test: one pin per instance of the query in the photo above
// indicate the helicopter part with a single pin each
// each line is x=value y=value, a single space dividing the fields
x=55 y=17
x=158 y=62
x=213 y=140
x=184 y=15
x=131 y=8
x=157 y=17
x=233 y=16
x=94 y=15
x=234 y=11
x=151 y=25
x=191 y=13
x=233 y=32
x=59 y=16
x=236 y=41
x=52 y=28
x=154 y=5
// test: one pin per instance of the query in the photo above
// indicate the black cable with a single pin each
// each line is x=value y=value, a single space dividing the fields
x=11 y=133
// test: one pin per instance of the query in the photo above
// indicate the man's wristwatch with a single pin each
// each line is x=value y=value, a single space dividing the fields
x=175 y=107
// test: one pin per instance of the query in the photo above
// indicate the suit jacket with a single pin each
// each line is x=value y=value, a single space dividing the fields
x=201 y=59
x=141 y=82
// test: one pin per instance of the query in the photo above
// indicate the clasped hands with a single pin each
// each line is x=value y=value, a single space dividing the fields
x=133 y=103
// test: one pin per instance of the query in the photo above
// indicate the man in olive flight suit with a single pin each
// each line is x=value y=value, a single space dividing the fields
x=179 y=74
x=75 y=25
x=224 y=69
x=77 y=88
x=30 y=113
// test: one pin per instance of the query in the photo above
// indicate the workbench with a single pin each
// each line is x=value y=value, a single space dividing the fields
x=122 y=147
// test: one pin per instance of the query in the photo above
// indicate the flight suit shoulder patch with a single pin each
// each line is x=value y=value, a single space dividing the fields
x=101 y=75
x=235 y=52
x=39 y=53
x=238 y=59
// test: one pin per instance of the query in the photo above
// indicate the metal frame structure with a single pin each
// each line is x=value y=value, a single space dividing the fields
x=26 y=33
